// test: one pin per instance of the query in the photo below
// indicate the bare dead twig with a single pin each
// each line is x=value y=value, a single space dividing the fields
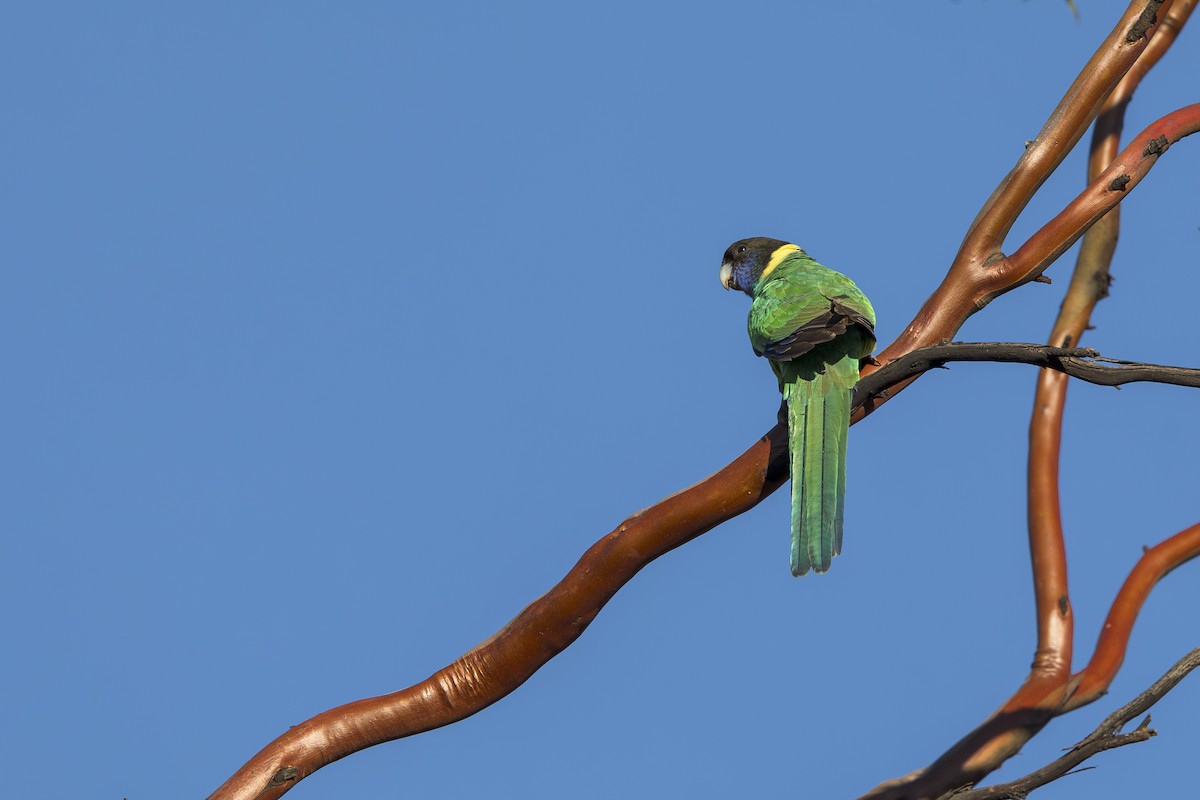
x=1079 y=362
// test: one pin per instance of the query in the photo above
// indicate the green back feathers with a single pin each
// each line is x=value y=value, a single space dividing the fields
x=796 y=293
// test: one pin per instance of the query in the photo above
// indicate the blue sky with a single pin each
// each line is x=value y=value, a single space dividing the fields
x=334 y=334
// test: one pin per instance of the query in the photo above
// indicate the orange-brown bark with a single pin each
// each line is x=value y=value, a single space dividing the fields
x=979 y=274
x=545 y=628
x=1049 y=689
x=1094 y=679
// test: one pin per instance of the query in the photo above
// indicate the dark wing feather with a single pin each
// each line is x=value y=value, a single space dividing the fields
x=824 y=328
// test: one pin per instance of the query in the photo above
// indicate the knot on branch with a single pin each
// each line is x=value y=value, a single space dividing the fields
x=1144 y=22
x=1119 y=183
x=284 y=775
x=1156 y=146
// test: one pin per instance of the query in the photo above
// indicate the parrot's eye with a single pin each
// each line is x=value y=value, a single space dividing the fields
x=741 y=248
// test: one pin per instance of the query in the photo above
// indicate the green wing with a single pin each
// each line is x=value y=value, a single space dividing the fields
x=802 y=304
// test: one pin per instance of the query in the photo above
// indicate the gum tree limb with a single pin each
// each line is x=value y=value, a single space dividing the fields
x=1107 y=735
x=1049 y=689
x=550 y=624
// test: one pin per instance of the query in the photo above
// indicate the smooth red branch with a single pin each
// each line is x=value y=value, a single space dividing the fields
x=1089 y=285
x=1048 y=690
x=545 y=628
x=1066 y=124
x=1112 y=186
x=551 y=623
x=554 y=621
x=1107 y=735
x=1094 y=679
x=965 y=291
x=1037 y=702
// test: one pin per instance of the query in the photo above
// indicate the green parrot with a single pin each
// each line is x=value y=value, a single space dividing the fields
x=813 y=325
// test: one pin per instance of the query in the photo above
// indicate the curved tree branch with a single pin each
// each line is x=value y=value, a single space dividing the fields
x=1048 y=690
x=1094 y=679
x=550 y=624
x=989 y=745
x=980 y=272
x=545 y=628
x=1062 y=131
x=955 y=300
x=1127 y=170
x=1106 y=736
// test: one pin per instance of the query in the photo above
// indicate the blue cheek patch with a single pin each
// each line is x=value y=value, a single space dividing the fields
x=745 y=274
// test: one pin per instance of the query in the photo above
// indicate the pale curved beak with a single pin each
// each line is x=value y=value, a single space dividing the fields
x=727 y=275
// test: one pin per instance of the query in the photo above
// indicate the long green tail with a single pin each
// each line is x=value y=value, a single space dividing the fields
x=818 y=426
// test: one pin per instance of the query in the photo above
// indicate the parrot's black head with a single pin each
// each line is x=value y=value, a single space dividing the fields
x=746 y=260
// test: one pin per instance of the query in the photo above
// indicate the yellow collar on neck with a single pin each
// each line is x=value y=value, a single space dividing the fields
x=777 y=258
